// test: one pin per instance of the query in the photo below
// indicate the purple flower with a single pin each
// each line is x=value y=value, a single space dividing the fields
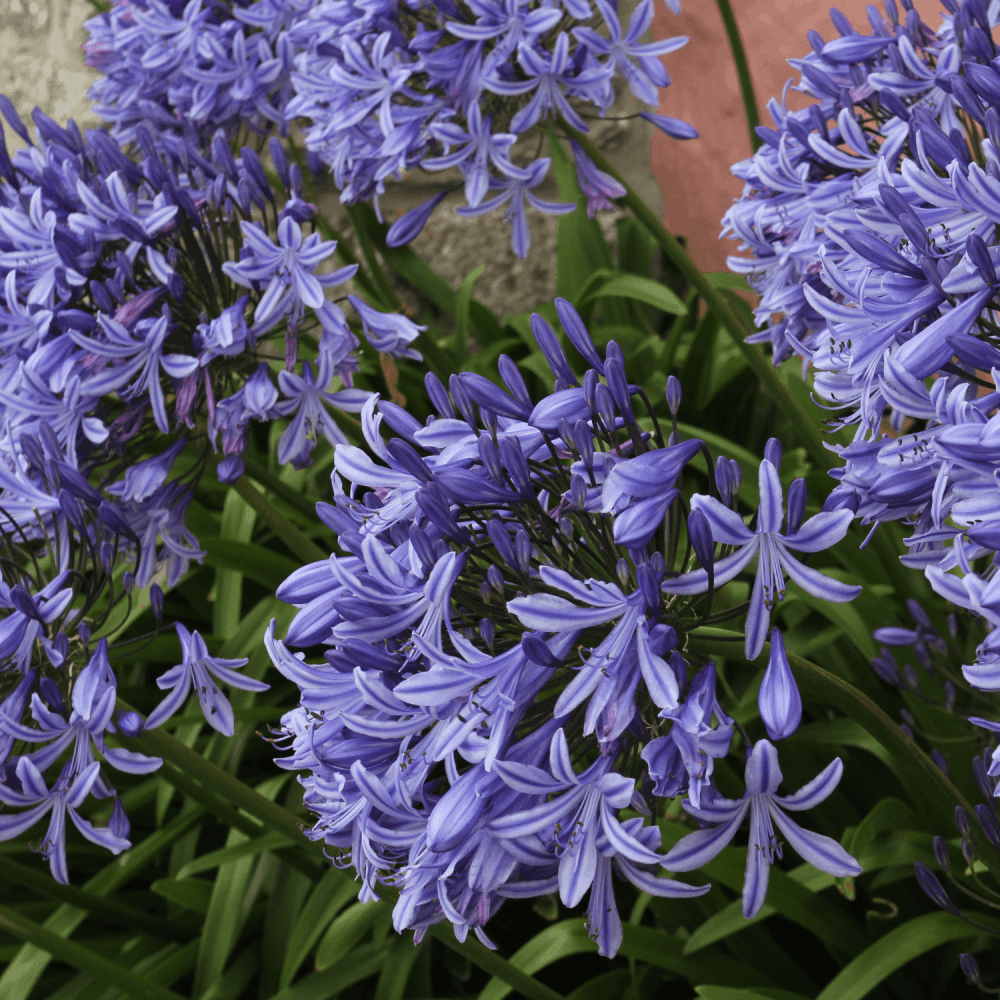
x=779 y=700
x=774 y=558
x=763 y=776
x=201 y=671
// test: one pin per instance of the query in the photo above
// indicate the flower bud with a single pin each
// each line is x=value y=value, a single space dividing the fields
x=156 y=601
x=536 y=650
x=514 y=380
x=962 y=823
x=987 y=785
x=779 y=700
x=969 y=852
x=438 y=396
x=490 y=457
x=606 y=406
x=941 y=761
x=931 y=885
x=488 y=631
x=700 y=533
x=773 y=453
x=118 y=823
x=988 y=821
x=673 y=394
x=970 y=967
x=495 y=579
x=622 y=571
x=941 y=853
x=583 y=437
x=522 y=550
x=578 y=492
x=128 y=581
x=796 y=506
x=408 y=226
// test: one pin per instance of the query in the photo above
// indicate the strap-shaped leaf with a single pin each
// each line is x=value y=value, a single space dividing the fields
x=639 y=289
x=101 y=968
x=901 y=945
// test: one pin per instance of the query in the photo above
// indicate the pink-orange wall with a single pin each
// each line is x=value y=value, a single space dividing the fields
x=697 y=185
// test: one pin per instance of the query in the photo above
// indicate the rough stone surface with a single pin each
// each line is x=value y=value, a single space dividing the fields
x=43 y=64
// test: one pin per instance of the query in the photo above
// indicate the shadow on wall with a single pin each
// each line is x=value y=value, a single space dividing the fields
x=695 y=178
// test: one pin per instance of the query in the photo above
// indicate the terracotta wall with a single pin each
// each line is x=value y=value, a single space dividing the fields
x=695 y=178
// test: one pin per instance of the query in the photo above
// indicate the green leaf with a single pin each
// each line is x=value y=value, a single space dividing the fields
x=395 y=973
x=191 y=893
x=463 y=300
x=58 y=947
x=568 y=937
x=610 y=984
x=728 y=280
x=246 y=849
x=346 y=930
x=758 y=993
x=331 y=894
x=255 y=562
x=238 y=519
x=21 y=975
x=361 y=964
x=639 y=289
x=843 y=732
x=891 y=952
x=292 y=536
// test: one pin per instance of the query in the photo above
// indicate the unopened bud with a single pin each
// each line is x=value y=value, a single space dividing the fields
x=673 y=394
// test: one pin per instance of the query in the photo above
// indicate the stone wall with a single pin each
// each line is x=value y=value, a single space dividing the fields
x=43 y=64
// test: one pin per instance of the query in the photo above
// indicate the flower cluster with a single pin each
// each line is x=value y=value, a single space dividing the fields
x=871 y=217
x=385 y=87
x=140 y=307
x=503 y=693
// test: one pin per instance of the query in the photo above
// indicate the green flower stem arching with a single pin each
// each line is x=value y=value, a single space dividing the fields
x=802 y=423
x=292 y=536
x=742 y=70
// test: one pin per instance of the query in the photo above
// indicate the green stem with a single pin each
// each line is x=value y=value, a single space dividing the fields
x=742 y=70
x=109 y=910
x=106 y=972
x=491 y=962
x=294 y=538
x=362 y=218
x=802 y=424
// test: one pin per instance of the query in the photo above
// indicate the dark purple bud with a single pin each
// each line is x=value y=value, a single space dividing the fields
x=649 y=581
x=24 y=602
x=906 y=731
x=980 y=257
x=223 y=156
x=436 y=509
x=892 y=12
x=988 y=821
x=970 y=968
x=578 y=335
x=489 y=420
x=566 y=527
x=779 y=701
x=230 y=469
x=495 y=578
x=118 y=823
x=673 y=394
x=590 y=384
x=606 y=406
x=796 y=506
x=578 y=492
x=941 y=761
x=156 y=601
x=884 y=665
x=700 y=533
x=14 y=119
x=438 y=396
x=490 y=457
x=399 y=420
x=372 y=501
x=51 y=694
x=522 y=550
x=71 y=509
x=115 y=521
x=487 y=630
x=517 y=466
x=500 y=538
x=923 y=658
x=107 y=556
x=583 y=437
x=536 y=650
x=622 y=571
x=931 y=885
x=422 y=545
x=614 y=371
x=128 y=581
x=912 y=681
x=962 y=823
x=992 y=120
x=736 y=476
x=514 y=380
x=942 y=855
x=279 y=160
x=969 y=852
x=907 y=716
x=405 y=457
x=485 y=594
x=953 y=625
x=566 y=434
x=485 y=393
x=408 y=226
x=987 y=785
x=773 y=452
x=965 y=96
x=549 y=344
x=464 y=402
x=83 y=631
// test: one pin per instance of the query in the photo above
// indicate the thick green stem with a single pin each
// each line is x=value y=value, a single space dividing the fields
x=271 y=482
x=296 y=539
x=742 y=70
x=803 y=426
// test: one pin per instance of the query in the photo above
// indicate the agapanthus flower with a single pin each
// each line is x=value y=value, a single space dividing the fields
x=503 y=673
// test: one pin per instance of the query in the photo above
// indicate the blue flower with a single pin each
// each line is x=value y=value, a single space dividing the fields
x=763 y=776
x=774 y=558
x=203 y=672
